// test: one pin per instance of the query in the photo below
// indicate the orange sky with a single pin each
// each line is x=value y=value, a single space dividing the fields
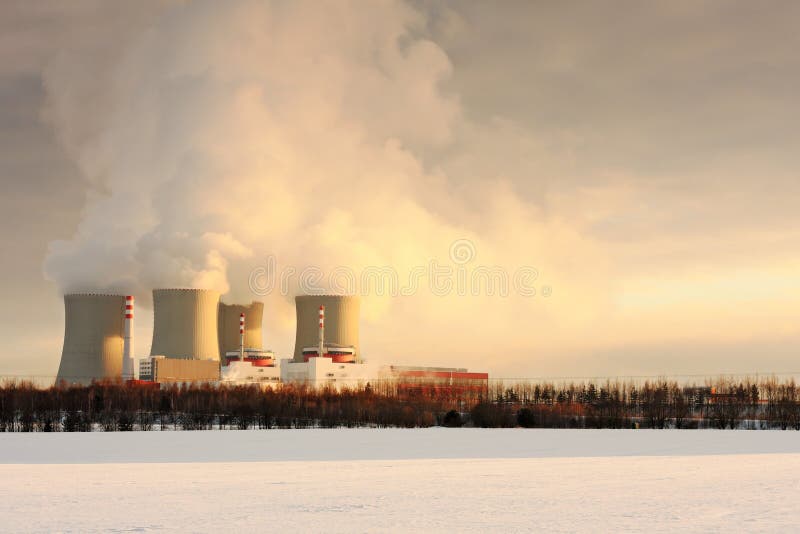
x=642 y=158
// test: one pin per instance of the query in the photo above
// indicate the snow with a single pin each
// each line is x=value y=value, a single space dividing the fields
x=401 y=480
x=381 y=444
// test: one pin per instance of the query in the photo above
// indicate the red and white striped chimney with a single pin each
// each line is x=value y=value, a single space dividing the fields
x=241 y=336
x=127 y=346
x=321 y=349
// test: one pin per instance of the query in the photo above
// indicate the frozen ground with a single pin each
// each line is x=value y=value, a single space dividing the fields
x=401 y=480
x=383 y=444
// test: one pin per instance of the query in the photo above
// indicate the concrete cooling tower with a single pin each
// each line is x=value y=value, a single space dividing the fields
x=229 y=326
x=341 y=322
x=185 y=324
x=93 y=338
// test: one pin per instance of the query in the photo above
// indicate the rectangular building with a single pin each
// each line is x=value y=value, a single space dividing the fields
x=174 y=370
x=449 y=381
x=324 y=372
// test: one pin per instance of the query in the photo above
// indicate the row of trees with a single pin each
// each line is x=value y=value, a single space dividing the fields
x=613 y=404
x=721 y=403
x=114 y=406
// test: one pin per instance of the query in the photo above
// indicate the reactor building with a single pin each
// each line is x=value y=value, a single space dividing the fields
x=341 y=323
x=93 y=338
x=326 y=345
x=185 y=323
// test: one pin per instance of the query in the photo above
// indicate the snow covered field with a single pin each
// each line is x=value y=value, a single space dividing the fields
x=401 y=480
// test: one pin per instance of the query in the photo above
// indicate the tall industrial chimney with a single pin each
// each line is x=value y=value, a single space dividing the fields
x=93 y=338
x=321 y=350
x=340 y=322
x=229 y=337
x=241 y=336
x=185 y=324
x=127 y=347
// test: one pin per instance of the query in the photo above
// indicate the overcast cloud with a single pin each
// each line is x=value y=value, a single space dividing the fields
x=642 y=156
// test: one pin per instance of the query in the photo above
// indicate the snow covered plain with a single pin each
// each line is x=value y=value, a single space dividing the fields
x=401 y=480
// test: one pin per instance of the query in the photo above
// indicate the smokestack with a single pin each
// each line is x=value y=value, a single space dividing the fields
x=127 y=346
x=185 y=324
x=321 y=350
x=93 y=338
x=229 y=337
x=241 y=335
x=340 y=322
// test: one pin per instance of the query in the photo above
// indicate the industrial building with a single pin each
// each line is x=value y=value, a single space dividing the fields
x=341 y=322
x=185 y=323
x=197 y=333
x=256 y=357
x=246 y=364
x=196 y=338
x=93 y=338
x=251 y=371
x=163 y=370
x=228 y=326
x=327 y=354
x=322 y=372
x=326 y=344
x=188 y=324
x=427 y=380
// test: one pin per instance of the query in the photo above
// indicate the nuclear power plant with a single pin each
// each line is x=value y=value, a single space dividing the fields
x=185 y=323
x=197 y=338
x=229 y=315
x=188 y=324
x=93 y=338
x=326 y=349
x=341 y=323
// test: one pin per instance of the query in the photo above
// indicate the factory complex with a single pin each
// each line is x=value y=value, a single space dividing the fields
x=199 y=339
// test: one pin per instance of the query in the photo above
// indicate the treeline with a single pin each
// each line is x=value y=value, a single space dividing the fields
x=722 y=403
x=117 y=407
x=761 y=404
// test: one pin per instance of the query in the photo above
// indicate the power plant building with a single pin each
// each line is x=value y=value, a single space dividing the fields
x=324 y=372
x=341 y=323
x=326 y=352
x=229 y=338
x=256 y=368
x=196 y=338
x=93 y=338
x=172 y=370
x=185 y=323
x=438 y=380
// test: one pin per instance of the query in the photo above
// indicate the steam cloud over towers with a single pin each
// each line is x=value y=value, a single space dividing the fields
x=93 y=338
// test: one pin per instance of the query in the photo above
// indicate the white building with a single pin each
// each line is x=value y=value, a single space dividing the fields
x=244 y=372
x=146 y=368
x=326 y=371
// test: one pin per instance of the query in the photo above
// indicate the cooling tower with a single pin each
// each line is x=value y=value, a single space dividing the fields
x=229 y=326
x=341 y=322
x=185 y=324
x=93 y=338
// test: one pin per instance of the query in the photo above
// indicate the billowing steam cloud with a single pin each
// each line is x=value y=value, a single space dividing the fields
x=248 y=126
x=317 y=132
x=213 y=135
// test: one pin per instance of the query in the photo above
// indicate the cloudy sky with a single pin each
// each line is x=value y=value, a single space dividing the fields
x=641 y=157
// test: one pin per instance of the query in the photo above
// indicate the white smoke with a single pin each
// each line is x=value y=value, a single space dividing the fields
x=239 y=122
x=226 y=132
